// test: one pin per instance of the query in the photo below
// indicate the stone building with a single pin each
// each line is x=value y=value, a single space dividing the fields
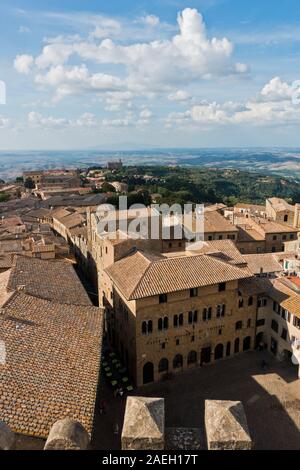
x=281 y=311
x=215 y=226
x=35 y=176
x=260 y=235
x=280 y=210
x=171 y=310
x=249 y=210
x=114 y=164
x=116 y=239
x=169 y=313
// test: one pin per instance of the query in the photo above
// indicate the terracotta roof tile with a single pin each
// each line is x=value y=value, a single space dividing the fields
x=263 y=263
x=141 y=275
x=52 y=363
x=6 y=260
x=224 y=249
x=292 y=304
x=51 y=280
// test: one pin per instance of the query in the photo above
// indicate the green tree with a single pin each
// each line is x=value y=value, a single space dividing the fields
x=4 y=197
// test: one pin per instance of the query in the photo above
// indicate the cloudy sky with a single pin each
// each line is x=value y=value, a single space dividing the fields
x=165 y=73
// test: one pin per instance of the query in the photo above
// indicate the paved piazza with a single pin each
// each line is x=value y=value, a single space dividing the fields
x=271 y=399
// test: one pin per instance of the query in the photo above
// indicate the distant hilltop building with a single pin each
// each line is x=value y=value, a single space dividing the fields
x=35 y=176
x=115 y=165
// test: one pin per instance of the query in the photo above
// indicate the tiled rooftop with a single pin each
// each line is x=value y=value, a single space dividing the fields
x=248 y=234
x=263 y=263
x=270 y=226
x=215 y=222
x=292 y=304
x=279 y=204
x=142 y=275
x=253 y=207
x=51 y=280
x=52 y=363
x=6 y=260
x=224 y=249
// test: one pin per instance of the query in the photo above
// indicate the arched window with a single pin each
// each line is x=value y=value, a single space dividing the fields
x=250 y=301
x=192 y=357
x=241 y=303
x=237 y=345
x=193 y=317
x=147 y=327
x=180 y=319
x=239 y=325
x=175 y=320
x=286 y=218
x=249 y=323
x=177 y=361
x=228 y=348
x=163 y=323
x=163 y=365
x=207 y=313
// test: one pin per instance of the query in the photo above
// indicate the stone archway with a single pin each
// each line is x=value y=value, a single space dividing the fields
x=148 y=373
x=237 y=345
x=247 y=343
x=219 y=349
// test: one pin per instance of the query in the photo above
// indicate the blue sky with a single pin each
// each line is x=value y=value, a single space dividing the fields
x=137 y=73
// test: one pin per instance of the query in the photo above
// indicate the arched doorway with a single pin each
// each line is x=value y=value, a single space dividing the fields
x=205 y=355
x=259 y=340
x=163 y=365
x=177 y=361
x=228 y=348
x=219 y=351
x=237 y=346
x=148 y=373
x=247 y=343
x=192 y=357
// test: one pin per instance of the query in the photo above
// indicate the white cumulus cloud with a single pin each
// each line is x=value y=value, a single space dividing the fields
x=273 y=106
x=23 y=63
x=158 y=66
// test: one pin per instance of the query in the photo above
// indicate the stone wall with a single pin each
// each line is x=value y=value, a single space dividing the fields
x=225 y=427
